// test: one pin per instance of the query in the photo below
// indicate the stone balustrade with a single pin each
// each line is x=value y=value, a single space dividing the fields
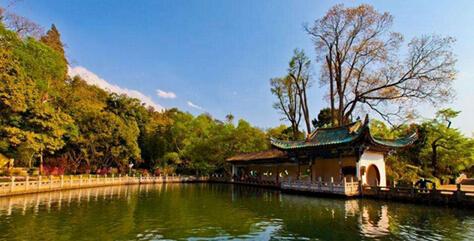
x=344 y=188
x=51 y=183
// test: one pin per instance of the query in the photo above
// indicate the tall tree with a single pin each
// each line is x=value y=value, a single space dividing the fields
x=447 y=149
x=361 y=62
x=29 y=125
x=52 y=38
x=299 y=72
x=82 y=102
x=288 y=101
x=441 y=151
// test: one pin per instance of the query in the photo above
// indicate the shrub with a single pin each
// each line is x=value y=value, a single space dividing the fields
x=102 y=171
x=143 y=172
x=169 y=170
x=113 y=170
x=53 y=171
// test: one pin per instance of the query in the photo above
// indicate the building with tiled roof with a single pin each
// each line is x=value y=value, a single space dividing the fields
x=327 y=154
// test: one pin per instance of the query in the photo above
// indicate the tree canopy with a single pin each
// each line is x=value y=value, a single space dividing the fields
x=46 y=114
x=441 y=151
x=363 y=64
x=50 y=119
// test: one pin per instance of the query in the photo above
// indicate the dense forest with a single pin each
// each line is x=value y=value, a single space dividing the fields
x=64 y=125
x=61 y=123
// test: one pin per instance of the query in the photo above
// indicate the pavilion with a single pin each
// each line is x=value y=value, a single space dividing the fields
x=334 y=155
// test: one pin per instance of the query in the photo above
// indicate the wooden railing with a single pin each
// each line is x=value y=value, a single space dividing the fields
x=50 y=183
x=345 y=188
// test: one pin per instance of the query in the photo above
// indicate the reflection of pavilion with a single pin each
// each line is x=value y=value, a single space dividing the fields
x=327 y=218
x=328 y=157
x=373 y=219
x=374 y=223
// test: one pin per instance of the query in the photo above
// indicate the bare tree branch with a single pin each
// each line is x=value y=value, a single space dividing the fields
x=288 y=102
x=21 y=25
x=361 y=59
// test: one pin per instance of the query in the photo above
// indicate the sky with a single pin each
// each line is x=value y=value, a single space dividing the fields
x=218 y=56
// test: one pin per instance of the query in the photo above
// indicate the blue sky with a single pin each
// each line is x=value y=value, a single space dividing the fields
x=218 y=56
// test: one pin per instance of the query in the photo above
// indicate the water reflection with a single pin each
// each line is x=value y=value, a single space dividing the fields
x=374 y=223
x=219 y=212
x=56 y=200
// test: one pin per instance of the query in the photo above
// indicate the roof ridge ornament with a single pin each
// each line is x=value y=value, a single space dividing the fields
x=366 y=120
x=355 y=127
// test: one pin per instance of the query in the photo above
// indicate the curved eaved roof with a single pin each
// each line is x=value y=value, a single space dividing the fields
x=397 y=143
x=325 y=137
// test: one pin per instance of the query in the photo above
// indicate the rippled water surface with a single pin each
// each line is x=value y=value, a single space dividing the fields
x=220 y=212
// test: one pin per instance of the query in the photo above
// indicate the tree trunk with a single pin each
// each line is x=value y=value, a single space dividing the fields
x=434 y=159
x=331 y=96
x=294 y=129
x=41 y=164
x=339 y=88
x=306 y=110
x=331 y=87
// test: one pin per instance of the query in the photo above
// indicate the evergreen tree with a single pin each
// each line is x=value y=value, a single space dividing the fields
x=52 y=38
x=324 y=118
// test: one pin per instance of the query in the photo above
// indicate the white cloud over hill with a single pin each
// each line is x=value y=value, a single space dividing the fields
x=191 y=104
x=92 y=79
x=165 y=94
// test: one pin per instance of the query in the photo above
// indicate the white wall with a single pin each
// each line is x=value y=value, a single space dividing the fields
x=372 y=158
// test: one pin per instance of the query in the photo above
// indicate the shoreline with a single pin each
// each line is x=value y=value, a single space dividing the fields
x=444 y=198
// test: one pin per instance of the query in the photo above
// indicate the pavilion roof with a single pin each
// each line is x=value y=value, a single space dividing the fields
x=347 y=134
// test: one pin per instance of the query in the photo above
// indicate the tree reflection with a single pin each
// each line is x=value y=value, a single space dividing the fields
x=219 y=211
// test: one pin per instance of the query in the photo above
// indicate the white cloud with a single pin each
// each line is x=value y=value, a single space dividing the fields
x=165 y=95
x=92 y=79
x=191 y=104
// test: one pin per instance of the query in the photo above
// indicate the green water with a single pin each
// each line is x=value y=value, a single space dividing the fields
x=220 y=212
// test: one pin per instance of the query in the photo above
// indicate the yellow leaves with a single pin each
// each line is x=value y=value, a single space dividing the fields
x=17 y=137
x=14 y=135
x=389 y=92
x=3 y=160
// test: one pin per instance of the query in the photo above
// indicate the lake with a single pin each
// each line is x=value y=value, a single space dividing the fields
x=220 y=212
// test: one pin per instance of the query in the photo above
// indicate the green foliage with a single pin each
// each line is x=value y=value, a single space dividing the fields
x=441 y=151
x=43 y=65
x=324 y=118
x=172 y=158
x=280 y=132
x=30 y=124
x=447 y=150
x=46 y=114
x=208 y=142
